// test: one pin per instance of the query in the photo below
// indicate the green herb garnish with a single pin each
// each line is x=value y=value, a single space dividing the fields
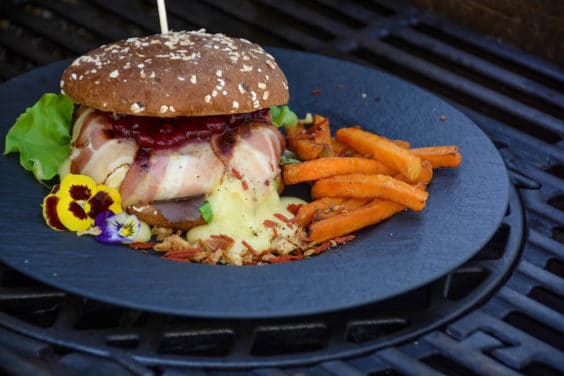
x=206 y=212
x=282 y=116
x=287 y=159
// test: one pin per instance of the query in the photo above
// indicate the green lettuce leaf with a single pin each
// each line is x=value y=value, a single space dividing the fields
x=42 y=136
x=282 y=116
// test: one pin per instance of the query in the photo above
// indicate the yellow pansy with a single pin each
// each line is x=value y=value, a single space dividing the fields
x=74 y=204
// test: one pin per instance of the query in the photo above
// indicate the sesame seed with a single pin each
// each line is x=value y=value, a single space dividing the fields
x=214 y=93
x=218 y=73
x=246 y=68
x=163 y=109
x=171 y=109
x=73 y=76
x=235 y=104
x=193 y=79
x=136 y=107
x=180 y=78
x=265 y=95
x=207 y=98
x=114 y=74
x=262 y=85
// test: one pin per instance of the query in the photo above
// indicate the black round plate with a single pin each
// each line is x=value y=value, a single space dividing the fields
x=409 y=250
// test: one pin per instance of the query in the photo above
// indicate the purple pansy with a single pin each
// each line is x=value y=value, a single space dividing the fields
x=117 y=228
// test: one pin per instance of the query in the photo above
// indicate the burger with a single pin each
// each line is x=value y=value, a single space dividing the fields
x=180 y=121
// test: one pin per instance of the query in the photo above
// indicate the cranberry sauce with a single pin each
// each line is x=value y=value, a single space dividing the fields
x=151 y=132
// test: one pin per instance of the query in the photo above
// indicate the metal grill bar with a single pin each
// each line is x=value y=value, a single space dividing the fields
x=551 y=125
x=489 y=47
x=483 y=68
x=33 y=55
x=301 y=34
x=542 y=277
x=516 y=99
x=470 y=352
x=87 y=17
x=51 y=31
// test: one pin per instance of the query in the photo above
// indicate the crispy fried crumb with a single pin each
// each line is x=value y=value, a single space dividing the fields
x=173 y=242
x=161 y=233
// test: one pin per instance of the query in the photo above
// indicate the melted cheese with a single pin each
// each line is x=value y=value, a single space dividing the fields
x=240 y=214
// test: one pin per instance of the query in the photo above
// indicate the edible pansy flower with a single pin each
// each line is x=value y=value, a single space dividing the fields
x=120 y=228
x=74 y=204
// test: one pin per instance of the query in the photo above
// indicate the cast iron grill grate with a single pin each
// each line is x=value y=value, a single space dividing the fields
x=477 y=320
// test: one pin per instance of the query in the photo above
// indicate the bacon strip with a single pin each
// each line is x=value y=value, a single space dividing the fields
x=144 y=177
x=95 y=153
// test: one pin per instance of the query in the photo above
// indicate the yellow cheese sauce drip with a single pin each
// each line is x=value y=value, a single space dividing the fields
x=240 y=213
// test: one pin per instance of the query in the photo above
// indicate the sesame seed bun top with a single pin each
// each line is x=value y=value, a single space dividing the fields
x=186 y=73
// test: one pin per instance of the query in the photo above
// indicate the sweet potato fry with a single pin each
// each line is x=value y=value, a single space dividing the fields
x=311 y=142
x=420 y=185
x=346 y=206
x=306 y=213
x=339 y=225
x=341 y=150
x=440 y=156
x=382 y=149
x=301 y=143
x=370 y=186
x=322 y=135
x=425 y=177
x=324 y=167
x=402 y=144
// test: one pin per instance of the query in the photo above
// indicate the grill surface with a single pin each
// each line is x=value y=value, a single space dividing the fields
x=498 y=314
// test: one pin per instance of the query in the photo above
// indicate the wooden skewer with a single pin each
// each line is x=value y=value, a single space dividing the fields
x=162 y=16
